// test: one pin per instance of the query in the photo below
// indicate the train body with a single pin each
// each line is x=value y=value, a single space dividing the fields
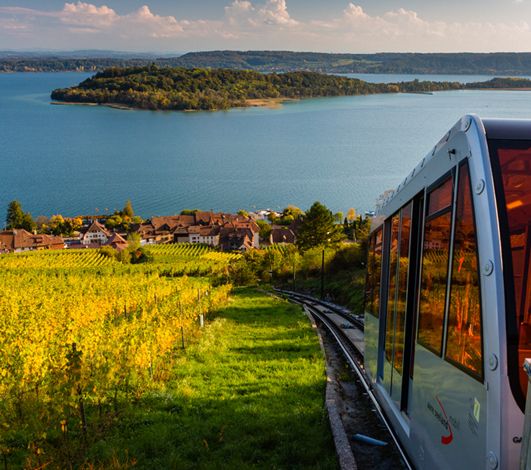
x=448 y=298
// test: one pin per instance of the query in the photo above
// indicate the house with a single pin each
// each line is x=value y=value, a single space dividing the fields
x=208 y=234
x=18 y=240
x=232 y=239
x=281 y=234
x=95 y=235
x=200 y=227
x=251 y=228
x=150 y=235
x=117 y=242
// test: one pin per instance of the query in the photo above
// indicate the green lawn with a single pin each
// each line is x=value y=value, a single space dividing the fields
x=249 y=394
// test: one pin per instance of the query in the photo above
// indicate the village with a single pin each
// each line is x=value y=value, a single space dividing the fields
x=224 y=231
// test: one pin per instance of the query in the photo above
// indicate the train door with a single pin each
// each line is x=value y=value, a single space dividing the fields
x=403 y=258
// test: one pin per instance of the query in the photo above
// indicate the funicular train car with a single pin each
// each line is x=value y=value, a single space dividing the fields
x=448 y=298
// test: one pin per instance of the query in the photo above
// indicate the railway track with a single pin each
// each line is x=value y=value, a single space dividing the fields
x=348 y=335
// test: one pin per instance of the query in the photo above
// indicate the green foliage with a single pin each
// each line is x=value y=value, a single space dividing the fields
x=17 y=218
x=189 y=211
x=128 y=211
x=58 y=225
x=124 y=219
x=318 y=228
x=133 y=241
x=289 y=214
x=357 y=229
x=107 y=252
x=265 y=229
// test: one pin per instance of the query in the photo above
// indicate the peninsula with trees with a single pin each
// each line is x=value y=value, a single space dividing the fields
x=182 y=89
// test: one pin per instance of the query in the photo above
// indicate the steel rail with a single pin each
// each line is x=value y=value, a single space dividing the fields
x=347 y=316
x=344 y=343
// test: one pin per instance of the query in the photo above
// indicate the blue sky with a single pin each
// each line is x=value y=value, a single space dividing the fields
x=329 y=26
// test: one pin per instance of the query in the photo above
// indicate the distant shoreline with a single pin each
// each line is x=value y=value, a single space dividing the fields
x=268 y=103
x=123 y=107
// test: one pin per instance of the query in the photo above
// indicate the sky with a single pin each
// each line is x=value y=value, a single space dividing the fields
x=176 y=26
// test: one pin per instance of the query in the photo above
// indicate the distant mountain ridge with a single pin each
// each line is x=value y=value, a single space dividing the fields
x=499 y=63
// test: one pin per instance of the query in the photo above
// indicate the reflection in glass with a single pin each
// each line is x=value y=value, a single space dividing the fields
x=433 y=281
x=440 y=198
x=464 y=318
x=514 y=159
x=377 y=272
x=405 y=230
x=391 y=291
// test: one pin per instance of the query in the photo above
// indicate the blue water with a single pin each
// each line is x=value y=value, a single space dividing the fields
x=342 y=151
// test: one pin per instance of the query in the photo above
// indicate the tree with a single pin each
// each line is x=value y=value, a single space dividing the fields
x=128 y=210
x=265 y=229
x=15 y=215
x=133 y=241
x=17 y=218
x=318 y=228
x=351 y=214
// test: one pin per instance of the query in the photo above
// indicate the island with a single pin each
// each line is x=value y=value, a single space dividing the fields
x=183 y=89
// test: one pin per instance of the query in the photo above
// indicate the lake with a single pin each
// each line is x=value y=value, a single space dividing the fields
x=341 y=151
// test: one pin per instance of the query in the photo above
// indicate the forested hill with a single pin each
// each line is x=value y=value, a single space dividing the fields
x=501 y=63
x=206 y=89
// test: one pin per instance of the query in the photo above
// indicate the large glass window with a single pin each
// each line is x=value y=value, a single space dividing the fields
x=401 y=299
x=435 y=266
x=378 y=246
x=511 y=162
x=464 y=337
x=369 y=283
x=391 y=291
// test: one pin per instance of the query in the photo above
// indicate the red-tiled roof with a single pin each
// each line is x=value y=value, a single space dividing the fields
x=20 y=239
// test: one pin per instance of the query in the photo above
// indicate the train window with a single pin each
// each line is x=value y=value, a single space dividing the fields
x=464 y=341
x=391 y=291
x=378 y=246
x=403 y=265
x=440 y=198
x=435 y=267
x=511 y=162
x=370 y=275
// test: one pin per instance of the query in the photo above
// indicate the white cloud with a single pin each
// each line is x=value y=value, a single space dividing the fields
x=254 y=24
x=273 y=13
x=87 y=15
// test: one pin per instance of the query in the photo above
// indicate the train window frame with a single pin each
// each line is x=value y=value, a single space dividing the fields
x=426 y=219
x=481 y=376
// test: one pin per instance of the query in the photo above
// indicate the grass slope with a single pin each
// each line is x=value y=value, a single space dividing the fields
x=250 y=394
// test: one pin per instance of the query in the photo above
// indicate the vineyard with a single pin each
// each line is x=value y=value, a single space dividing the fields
x=83 y=336
x=56 y=259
